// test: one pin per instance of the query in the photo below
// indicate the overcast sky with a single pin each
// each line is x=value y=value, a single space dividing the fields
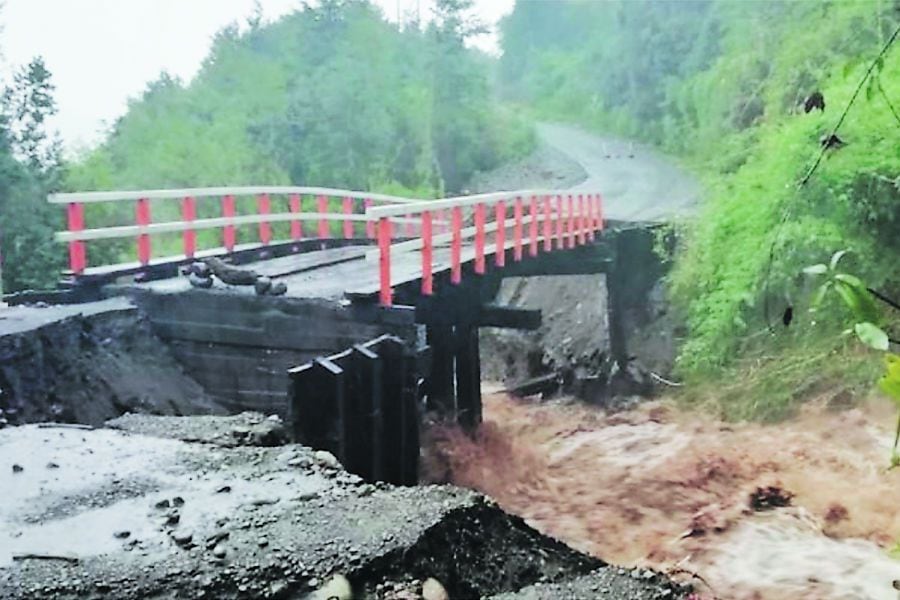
x=101 y=52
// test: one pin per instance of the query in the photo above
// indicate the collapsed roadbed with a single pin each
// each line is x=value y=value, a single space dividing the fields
x=86 y=363
x=135 y=510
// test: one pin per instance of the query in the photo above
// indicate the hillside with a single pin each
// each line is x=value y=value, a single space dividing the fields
x=722 y=85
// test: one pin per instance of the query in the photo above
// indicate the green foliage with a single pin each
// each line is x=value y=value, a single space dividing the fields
x=29 y=168
x=721 y=84
x=332 y=95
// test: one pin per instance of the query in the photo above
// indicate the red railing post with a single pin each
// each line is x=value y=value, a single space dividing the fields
x=582 y=220
x=384 y=260
x=142 y=217
x=602 y=225
x=548 y=225
x=322 y=202
x=559 y=222
x=533 y=227
x=264 y=207
x=592 y=216
x=77 y=254
x=570 y=223
x=427 y=254
x=479 y=239
x=456 y=245
x=189 y=236
x=296 y=207
x=348 y=225
x=517 y=229
x=500 y=234
x=229 y=232
x=370 y=225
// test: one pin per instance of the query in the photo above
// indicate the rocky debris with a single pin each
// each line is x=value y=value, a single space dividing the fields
x=337 y=588
x=604 y=584
x=769 y=497
x=433 y=590
x=292 y=520
x=245 y=429
x=201 y=274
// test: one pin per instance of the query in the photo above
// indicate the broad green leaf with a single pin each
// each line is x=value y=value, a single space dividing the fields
x=856 y=296
x=836 y=258
x=872 y=335
x=819 y=298
x=818 y=269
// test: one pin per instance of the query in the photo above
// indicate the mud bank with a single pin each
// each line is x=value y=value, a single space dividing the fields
x=117 y=514
x=681 y=493
x=88 y=363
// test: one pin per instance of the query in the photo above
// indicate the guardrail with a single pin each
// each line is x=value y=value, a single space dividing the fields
x=352 y=207
x=554 y=218
x=539 y=220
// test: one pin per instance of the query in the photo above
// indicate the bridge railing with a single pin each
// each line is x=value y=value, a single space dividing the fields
x=541 y=220
x=331 y=205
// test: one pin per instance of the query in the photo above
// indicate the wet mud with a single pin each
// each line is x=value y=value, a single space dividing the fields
x=139 y=512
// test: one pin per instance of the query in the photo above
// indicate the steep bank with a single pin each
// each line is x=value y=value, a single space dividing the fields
x=88 y=363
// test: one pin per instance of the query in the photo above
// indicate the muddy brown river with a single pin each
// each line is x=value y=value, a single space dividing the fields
x=672 y=490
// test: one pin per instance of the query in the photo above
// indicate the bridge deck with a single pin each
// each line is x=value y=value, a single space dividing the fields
x=331 y=274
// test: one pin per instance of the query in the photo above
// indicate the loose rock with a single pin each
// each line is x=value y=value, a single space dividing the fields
x=433 y=590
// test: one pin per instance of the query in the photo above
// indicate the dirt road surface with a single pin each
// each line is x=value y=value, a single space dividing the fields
x=637 y=183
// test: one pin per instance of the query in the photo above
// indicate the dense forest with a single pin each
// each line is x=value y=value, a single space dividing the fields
x=724 y=86
x=331 y=95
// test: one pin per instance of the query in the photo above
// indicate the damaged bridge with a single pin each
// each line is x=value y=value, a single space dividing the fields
x=353 y=313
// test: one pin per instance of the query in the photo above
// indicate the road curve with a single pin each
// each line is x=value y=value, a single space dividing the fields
x=637 y=183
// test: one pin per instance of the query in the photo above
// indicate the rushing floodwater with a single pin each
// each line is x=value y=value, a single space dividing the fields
x=660 y=488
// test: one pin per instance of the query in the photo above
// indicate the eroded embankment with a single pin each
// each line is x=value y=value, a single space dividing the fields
x=656 y=487
x=88 y=363
x=128 y=515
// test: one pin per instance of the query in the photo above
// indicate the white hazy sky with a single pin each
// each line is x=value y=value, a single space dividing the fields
x=101 y=52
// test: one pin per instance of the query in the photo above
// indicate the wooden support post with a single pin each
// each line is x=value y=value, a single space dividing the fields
x=439 y=386
x=367 y=374
x=316 y=396
x=401 y=422
x=468 y=377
